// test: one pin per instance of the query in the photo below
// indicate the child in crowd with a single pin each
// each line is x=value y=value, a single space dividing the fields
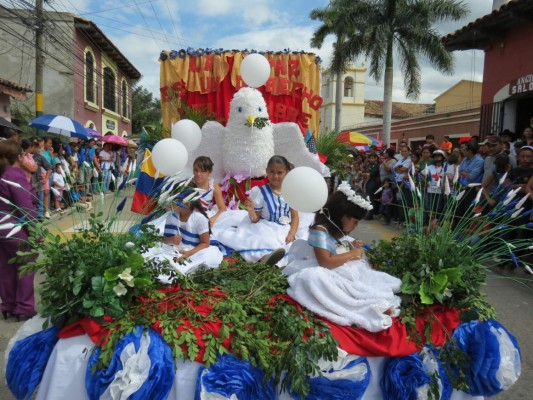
x=59 y=185
x=211 y=199
x=186 y=241
x=270 y=226
x=331 y=277
x=387 y=197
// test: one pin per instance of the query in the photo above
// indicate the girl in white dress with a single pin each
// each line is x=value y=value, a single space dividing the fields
x=270 y=225
x=212 y=199
x=186 y=239
x=331 y=277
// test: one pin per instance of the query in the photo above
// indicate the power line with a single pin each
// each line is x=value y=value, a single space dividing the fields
x=146 y=23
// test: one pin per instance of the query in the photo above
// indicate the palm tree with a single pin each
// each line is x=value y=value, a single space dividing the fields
x=334 y=23
x=379 y=27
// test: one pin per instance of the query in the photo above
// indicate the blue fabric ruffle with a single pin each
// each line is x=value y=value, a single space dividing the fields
x=160 y=378
x=340 y=389
x=27 y=361
x=476 y=339
x=233 y=376
x=402 y=377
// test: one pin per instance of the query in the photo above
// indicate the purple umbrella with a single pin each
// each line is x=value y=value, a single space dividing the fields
x=93 y=133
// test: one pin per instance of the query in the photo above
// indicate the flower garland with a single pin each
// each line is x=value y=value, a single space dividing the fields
x=360 y=201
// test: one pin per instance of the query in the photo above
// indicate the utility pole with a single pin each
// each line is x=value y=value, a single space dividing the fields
x=39 y=59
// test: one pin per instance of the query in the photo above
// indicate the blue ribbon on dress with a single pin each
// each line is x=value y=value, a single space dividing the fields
x=160 y=376
x=27 y=362
x=233 y=376
x=485 y=342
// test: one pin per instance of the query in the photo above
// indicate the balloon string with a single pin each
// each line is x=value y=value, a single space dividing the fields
x=325 y=211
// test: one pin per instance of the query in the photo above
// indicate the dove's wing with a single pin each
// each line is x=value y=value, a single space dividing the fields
x=289 y=143
x=210 y=146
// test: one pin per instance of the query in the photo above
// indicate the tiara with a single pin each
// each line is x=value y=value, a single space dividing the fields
x=360 y=201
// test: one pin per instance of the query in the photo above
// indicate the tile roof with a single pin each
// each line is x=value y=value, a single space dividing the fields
x=399 y=110
x=14 y=89
x=479 y=33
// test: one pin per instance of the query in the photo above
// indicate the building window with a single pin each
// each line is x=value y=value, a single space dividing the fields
x=89 y=77
x=124 y=99
x=348 y=87
x=109 y=90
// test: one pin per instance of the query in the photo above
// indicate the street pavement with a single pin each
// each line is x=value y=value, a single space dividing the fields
x=505 y=290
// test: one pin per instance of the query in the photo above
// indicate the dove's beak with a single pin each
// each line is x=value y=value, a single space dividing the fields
x=251 y=119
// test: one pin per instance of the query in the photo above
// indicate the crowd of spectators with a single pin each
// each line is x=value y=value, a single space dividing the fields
x=71 y=172
x=494 y=166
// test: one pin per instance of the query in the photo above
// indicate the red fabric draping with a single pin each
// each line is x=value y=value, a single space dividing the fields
x=392 y=342
x=281 y=108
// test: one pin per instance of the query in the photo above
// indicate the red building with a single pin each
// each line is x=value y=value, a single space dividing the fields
x=505 y=35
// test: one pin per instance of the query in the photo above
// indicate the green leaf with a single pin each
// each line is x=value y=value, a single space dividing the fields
x=425 y=298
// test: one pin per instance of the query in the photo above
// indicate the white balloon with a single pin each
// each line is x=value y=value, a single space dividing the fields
x=304 y=189
x=169 y=156
x=255 y=70
x=187 y=132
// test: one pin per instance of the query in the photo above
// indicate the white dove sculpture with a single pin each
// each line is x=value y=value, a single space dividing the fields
x=240 y=148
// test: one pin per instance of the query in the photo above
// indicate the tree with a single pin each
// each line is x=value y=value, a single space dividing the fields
x=333 y=23
x=145 y=109
x=379 y=27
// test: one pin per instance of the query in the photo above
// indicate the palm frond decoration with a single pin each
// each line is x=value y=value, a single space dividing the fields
x=338 y=153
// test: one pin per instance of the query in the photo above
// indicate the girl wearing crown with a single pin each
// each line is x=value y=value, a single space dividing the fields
x=330 y=276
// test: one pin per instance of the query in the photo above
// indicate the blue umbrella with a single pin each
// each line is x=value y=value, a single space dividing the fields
x=60 y=125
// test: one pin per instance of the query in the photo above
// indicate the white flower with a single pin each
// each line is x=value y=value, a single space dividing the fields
x=474 y=184
x=14 y=184
x=55 y=192
x=379 y=190
x=129 y=245
x=510 y=196
x=5 y=217
x=162 y=198
x=113 y=177
x=425 y=171
x=413 y=169
x=477 y=215
x=478 y=196
x=87 y=164
x=189 y=197
x=528 y=269
x=120 y=289
x=517 y=212
x=512 y=246
x=9 y=225
x=522 y=201
x=502 y=179
x=460 y=195
x=5 y=200
x=131 y=181
x=127 y=277
x=456 y=175
x=345 y=188
x=14 y=231
x=411 y=183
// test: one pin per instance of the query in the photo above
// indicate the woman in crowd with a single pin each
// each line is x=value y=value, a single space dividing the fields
x=17 y=210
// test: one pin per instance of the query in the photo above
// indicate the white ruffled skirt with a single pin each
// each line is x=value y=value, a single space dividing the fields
x=211 y=257
x=352 y=294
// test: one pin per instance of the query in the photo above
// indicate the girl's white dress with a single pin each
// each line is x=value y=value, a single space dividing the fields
x=254 y=240
x=352 y=294
x=190 y=231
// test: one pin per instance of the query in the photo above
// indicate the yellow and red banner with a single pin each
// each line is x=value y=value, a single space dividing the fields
x=201 y=80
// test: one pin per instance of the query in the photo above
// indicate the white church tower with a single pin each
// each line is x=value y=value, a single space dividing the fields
x=353 y=100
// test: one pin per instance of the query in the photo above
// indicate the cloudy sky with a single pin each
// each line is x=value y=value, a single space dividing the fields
x=142 y=28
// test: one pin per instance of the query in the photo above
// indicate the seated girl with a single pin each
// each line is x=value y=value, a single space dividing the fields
x=270 y=224
x=330 y=276
x=186 y=239
x=212 y=199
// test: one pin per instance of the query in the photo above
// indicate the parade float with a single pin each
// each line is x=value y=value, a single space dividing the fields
x=107 y=329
